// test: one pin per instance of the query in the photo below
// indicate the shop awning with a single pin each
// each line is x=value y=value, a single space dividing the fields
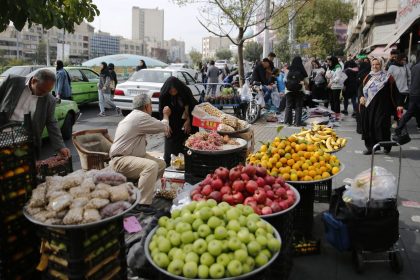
x=397 y=34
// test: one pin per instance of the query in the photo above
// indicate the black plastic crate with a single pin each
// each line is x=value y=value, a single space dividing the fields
x=44 y=170
x=304 y=211
x=199 y=165
x=191 y=179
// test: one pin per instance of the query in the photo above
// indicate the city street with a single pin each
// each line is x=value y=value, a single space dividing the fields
x=330 y=263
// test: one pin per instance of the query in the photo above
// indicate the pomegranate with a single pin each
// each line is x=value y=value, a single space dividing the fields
x=238 y=198
x=268 y=202
x=207 y=189
x=267 y=210
x=290 y=193
x=222 y=173
x=234 y=174
x=225 y=190
x=269 y=180
x=216 y=195
x=275 y=207
x=244 y=177
x=267 y=188
x=256 y=209
x=261 y=171
x=207 y=180
x=260 y=182
x=250 y=201
x=217 y=184
x=281 y=192
x=275 y=186
x=270 y=194
x=280 y=180
x=228 y=198
x=195 y=191
x=283 y=205
x=250 y=170
x=290 y=201
x=238 y=186
x=260 y=195
x=251 y=186
x=197 y=197
x=240 y=166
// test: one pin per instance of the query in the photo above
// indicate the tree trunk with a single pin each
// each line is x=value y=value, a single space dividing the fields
x=241 y=63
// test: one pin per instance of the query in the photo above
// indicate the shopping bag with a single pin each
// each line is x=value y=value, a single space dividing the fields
x=402 y=138
x=336 y=232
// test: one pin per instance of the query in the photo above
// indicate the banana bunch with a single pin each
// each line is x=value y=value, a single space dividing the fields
x=322 y=136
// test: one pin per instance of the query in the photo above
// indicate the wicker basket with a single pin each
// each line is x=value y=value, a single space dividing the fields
x=93 y=147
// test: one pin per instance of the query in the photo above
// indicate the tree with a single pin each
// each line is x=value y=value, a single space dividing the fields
x=315 y=26
x=224 y=54
x=253 y=51
x=233 y=18
x=41 y=53
x=195 y=56
x=63 y=14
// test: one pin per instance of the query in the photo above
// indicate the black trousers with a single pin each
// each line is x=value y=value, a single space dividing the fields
x=294 y=100
x=334 y=96
x=413 y=110
x=174 y=145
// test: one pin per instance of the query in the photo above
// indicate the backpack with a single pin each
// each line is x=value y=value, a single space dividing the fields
x=293 y=81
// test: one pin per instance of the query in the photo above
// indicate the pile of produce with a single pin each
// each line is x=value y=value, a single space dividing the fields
x=323 y=137
x=228 y=123
x=80 y=198
x=208 y=141
x=249 y=185
x=295 y=160
x=209 y=240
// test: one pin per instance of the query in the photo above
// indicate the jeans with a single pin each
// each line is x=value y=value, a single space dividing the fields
x=334 y=96
x=294 y=100
x=267 y=94
x=413 y=109
x=105 y=99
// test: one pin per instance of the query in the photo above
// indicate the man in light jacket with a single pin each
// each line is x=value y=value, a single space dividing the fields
x=212 y=78
x=62 y=87
x=20 y=96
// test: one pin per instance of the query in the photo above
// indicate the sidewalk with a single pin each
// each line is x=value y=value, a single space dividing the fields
x=331 y=264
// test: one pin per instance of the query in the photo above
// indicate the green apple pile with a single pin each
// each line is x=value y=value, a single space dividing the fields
x=209 y=240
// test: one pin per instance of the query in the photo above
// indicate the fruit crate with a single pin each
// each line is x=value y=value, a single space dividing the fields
x=199 y=165
x=95 y=252
x=53 y=166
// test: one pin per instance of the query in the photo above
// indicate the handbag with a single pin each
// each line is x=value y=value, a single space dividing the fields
x=402 y=138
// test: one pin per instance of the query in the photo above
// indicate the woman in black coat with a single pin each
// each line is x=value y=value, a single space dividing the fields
x=179 y=98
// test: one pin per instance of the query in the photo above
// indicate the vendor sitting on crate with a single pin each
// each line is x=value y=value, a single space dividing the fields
x=20 y=96
x=128 y=152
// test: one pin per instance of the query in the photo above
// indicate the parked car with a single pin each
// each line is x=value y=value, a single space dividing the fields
x=66 y=113
x=22 y=70
x=221 y=64
x=84 y=84
x=184 y=67
x=150 y=81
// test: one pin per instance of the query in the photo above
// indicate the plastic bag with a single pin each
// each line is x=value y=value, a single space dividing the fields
x=275 y=98
x=260 y=99
x=119 y=193
x=245 y=92
x=110 y=177
x=60 y=203
x=384 y=186
x=74 y=216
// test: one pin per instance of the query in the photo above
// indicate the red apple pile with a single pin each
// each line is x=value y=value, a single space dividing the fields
x=248 y=185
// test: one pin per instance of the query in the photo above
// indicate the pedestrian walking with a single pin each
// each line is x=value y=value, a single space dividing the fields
x=318 y=82
x=226 y=71
x=414 y=93
x=62 y=86
x=114 y=80
x=392 y=58
x=350 y=88
x=336 y=78
x=104 y=91
x=295 y=80
x=378 y=97
x=212 y=78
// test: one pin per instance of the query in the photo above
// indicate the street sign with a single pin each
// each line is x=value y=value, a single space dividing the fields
x=305 y=46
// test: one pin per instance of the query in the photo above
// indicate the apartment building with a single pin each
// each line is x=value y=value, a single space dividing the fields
x=210 y=45
x=175 y=50
x=148 y=26
x=371 y=27
x=128 y=46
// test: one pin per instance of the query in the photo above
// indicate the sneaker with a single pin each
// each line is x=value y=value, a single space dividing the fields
x=118 y=110
x=101 y=115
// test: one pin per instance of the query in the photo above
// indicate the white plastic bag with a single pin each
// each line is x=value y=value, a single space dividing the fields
x=275 y=98
x=245 y=92
x=384 y=186
x=260 y=99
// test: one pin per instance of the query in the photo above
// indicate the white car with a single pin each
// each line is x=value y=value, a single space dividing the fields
x=183 y=67
x=221 y=64
x=150 y=81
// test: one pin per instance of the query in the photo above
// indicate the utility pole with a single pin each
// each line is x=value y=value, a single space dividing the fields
x=17 y=44
x=292 y=29
x=48 y=47
x=266 y=46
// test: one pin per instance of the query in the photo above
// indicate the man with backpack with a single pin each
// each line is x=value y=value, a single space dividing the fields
x=295 y=80
x=62 y=87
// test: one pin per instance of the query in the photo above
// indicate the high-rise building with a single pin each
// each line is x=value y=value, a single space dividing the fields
x=132 y=46
x=103 y=43
x=175 y=50
x=148 y=26
x=212 y=44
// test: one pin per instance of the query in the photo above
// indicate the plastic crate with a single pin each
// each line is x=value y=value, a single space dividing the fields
x=44 y=170
x=199 y=165
x=86 y=253
x=304 y=211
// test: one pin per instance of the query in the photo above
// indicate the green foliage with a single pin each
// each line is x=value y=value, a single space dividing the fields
x=16 y=62
x=59 y=13
x=195 y=56
x=253 y=51
x=282 y=51
x=315 y=25
x=223 y=54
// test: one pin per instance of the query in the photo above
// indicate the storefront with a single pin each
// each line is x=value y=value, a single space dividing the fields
x=407 y=29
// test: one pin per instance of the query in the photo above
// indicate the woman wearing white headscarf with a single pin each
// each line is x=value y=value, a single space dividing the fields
x=378 y=97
